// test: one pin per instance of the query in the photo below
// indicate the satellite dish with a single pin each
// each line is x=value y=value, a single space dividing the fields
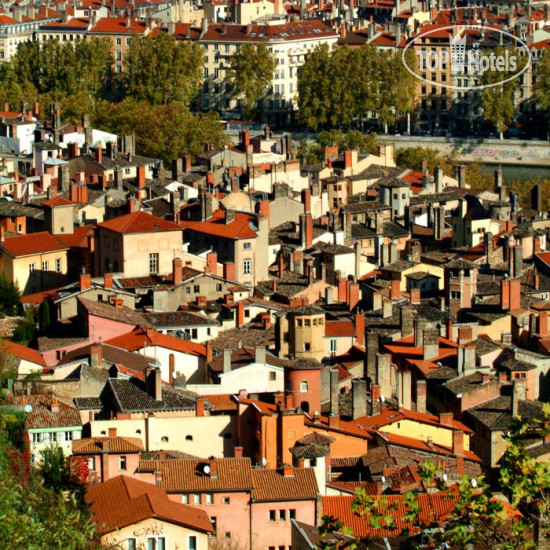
x=474 y=482
x=264 y=461
x=445 y=477
x=383 y=479
x=382 y=399
x=206 y=469
x=28 y=409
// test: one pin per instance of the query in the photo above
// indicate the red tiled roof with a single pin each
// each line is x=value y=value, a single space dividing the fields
x=79 y=238
x=33 y=243
x=140 y=337
x=335 y=329
x=70 y=24
x=405 y=346
x=42 y=416
x=117 y=25
x=23 y=352
x=264 y=408
x=272 y=485
x=9 y=114
x=239 y=228
x=115 y=444
x=434 y=509
x=4 y=19
x=58 y=201
x=222 y=402
x=124 y=501
x=38 y=297
x=541 y=45
x=188 y=476
x=138 y=222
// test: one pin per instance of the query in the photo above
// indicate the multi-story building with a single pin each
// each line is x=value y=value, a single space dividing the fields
x=289 y=42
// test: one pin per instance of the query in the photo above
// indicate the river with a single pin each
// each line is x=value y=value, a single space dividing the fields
x=521 y=173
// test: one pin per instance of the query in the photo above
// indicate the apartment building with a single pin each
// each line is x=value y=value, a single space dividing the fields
x=289 y=42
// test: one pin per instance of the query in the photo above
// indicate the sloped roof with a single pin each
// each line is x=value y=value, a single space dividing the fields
x=335 y=329
x=42 y=416
x=138 y=222
x=120 y=314
x=273 y=485
x=117 y=444
x=24 y=352
x=187 y=476
x=239 y=228
x=33 y=243
x=123 y=501
x=141 y=337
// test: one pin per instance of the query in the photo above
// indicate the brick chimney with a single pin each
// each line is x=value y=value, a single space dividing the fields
x=177 y=271
x=360 y=329
x=199 y=406
x=229 y=271
x=266 y=320
x=108 y=280
x=306 y=200
x=99 y=155
x=171 y=368
x=112 y=432
x=85 y=281
x=421 y=396
x=458 y=443
x=141 y=177
x=348 y=159
x=211 y=263
x=288 y=470
x=415 y=296
x=281 y=267
x=505 y=294
x=153 y=383
x=395 y=293
x=238 y=452
x=54 y=407
x=446 y=418
x=213 y=469
x=306 y=229
x=515 y=294
x=543 y=324
x=240 y=314
x=96 y=355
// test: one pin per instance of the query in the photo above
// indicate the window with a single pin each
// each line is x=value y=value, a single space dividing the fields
x=58 y=265
x=196 y=498
x=333 y=345
x=282 y=515
x=131 y=544
x=118 y=55
x=218 y=287
x=307 y=346
x=156 y=543
x=187 y=290
x=272 y=376
x=122 y=463
x=304 y=386
x=226 y=500
x=214 y=522
x=246 y=267
x=68 y=436
x=188 y=438
x=31 y=269
x=228 y=534
x=153 y=263
x=91 y=463
x=272 y=515
x=192 y=542
x=246 y=246
x=45 y=265
x=209 y=498
x=196 y=289
x=185 y=499
x=292 y=514
x=119 y=41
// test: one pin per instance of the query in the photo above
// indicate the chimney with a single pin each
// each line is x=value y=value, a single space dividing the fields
x=281 y=267
x=177 y=271
x=288 y=471
x=306 y=200
x=518 y=394
x=199 y=406
x=259 y=354
x=359 y=398
x=153 y=382
x=449 y=328
x=99 y=154
x=54 y=407
x=387 y=308
x=171 y=368
x=227 y=360
x=431 y=343
x=213 y=469
x=240 y=314
x=458 y=443
x=85 y=281
x=141 y=177
x=543 y=323
x=375 y=402
x=96 y=355
x=515 y=294
x=446 y=418
x=415 y=296
x=266 y=320
x=421 y=395
x=334 y=393
x=352 y=295
x=211 y=263
x=347 y=159
x=505 y=294
x=306 y=229
x=359 y=319
x=112 y=432
x=238 y=452
x=229 y=271
x=406 y=321
x=395 y=293
x=108 y=280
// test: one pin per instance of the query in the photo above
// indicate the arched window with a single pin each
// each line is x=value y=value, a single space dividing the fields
x=164 y=439
x=304 y=405
x=188 y=438
x=304 y=386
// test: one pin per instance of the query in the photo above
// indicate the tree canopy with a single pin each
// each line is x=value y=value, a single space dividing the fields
x=251 y=71
x=343 y=86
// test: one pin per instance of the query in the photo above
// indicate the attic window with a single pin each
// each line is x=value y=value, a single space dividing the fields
x=164 y=439
x=188 y=438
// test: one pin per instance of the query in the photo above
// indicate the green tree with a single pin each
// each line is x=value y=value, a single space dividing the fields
x=53 y=468
x=161 y=70
x=25 y=331
x=498 y=100
x=541 y=88
x=411 y=157
x=251 y=71
x=354 y=139
x=9 y=297
x=44 y=316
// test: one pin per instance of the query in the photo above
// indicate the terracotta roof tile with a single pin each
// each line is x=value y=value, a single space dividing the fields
x=23 y=352
x=187 y=476
x=33 y=243
x=336 y=329
x=119 y=314
x=272 y=485
x=117 y=25
x=239 y=228
x=58 y=201
x=107 y=445
x=123 y=501
x=42 y=416
x=138 y=222
x=141 y=337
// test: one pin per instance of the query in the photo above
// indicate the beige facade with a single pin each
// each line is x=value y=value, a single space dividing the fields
x=148 y=532
x=137 y=254
x=36 y=272
x=301 y=334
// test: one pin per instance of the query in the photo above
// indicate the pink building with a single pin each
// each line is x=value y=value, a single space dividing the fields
x=98 y=459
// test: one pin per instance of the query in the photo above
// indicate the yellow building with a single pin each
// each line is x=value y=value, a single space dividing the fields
x=129 y=513
x=35 y=262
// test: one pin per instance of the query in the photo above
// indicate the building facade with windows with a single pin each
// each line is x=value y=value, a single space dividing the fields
x=137 y=245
